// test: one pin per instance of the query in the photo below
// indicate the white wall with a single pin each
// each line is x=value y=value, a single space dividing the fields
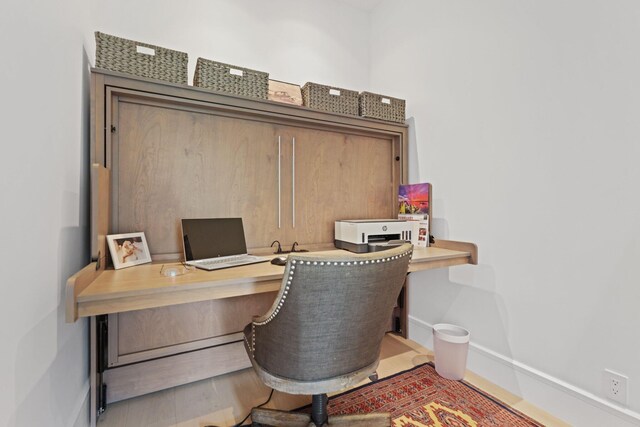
x=526 y=123
x=44 y=122
x=294 y=41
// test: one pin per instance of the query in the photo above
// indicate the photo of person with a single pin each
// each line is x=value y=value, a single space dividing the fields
x=128 y=249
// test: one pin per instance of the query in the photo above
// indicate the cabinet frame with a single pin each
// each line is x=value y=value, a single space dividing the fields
x=110 y=88
x=152 y=367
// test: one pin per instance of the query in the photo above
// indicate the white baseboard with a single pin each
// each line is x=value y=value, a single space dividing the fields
x=563 y=400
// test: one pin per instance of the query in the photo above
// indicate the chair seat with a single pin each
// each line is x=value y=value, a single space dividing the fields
x=293 y=386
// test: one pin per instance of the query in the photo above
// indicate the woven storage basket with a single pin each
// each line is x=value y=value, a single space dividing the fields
x=128 y=56
x=327 y=98
x=381 y=107
x=231 y=79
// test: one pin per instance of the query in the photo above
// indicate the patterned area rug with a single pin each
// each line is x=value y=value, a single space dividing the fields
x=420 y=397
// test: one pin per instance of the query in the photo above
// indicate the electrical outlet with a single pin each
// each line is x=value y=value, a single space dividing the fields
x=615 y=386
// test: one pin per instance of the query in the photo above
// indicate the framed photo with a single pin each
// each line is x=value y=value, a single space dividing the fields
x=128 y=250
x=288 y=93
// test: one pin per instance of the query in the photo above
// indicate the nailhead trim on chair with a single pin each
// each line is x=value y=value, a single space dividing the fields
x=290 y=279
x=280 y=303
x=252 y=345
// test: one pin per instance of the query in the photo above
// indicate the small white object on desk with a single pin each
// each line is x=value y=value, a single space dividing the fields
x=421 y=233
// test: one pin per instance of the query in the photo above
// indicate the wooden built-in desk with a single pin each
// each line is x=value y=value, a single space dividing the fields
x=140 y=289
x=104 y=295
x=143 y=286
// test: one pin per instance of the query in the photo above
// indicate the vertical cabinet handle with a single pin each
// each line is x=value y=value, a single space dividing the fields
x=293 y=182
x=279 y=181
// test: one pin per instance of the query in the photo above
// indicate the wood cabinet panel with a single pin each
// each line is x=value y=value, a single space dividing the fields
x=337 y=176
x=144 y=330
x=170 y=164
x=133 y=380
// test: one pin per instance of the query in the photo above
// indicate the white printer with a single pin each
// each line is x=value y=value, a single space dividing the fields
x=370 y=235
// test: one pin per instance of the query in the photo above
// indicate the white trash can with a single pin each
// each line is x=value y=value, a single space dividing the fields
x=451 y=345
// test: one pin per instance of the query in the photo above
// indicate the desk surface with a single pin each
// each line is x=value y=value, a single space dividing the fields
x=91 y=292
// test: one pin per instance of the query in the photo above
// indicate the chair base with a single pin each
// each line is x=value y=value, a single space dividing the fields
x=271 y=417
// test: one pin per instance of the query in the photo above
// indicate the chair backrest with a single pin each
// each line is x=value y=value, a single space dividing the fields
x=331 y=313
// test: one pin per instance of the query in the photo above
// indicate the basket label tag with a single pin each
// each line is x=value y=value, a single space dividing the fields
x=236 y=72
x=335 y=92
x=145 y=50
x=386 y=101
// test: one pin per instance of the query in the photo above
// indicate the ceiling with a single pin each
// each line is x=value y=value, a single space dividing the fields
x=367 y=5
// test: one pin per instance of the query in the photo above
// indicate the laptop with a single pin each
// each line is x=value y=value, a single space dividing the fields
x=216 y=243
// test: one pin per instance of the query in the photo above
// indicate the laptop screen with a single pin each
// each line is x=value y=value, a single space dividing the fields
x=212 y=237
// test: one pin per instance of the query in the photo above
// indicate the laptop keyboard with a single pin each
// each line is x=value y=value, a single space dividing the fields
x=228 y=260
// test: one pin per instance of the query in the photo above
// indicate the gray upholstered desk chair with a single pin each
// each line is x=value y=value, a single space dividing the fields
x=324 y=330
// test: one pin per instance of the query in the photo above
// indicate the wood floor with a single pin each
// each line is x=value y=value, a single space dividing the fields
x=227 y=399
